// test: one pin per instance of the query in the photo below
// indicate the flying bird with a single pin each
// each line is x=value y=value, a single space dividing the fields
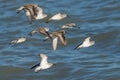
x=86 y=43
x=44 y=64
x=43 y=31
x=33 y=12
x=18 y=40
x=60 y=34
x=69 y=25
x=57 y=16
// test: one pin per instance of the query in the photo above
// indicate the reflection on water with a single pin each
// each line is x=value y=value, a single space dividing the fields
x=96 y=18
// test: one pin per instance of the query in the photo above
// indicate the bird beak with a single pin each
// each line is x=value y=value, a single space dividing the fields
x=30 y=34
x=18 y=11
x=47 y=22
x=68 y=16
x=54 y=64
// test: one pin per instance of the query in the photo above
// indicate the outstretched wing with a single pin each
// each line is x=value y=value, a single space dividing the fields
x=78 y=46
x=35 y=66
x=30 y=19
x=62 y=39
x=54 y=43
x=20 y=9
x=43 y=59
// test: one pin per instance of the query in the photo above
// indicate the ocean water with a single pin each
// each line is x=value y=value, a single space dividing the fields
x=99 y=19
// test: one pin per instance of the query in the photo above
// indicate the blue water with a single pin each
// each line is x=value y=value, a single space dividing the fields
x=99 y=19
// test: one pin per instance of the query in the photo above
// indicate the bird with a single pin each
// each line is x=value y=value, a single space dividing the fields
x=33 y=12
x=69 y=25
x=41 y=30
x=86 y=43
x=60 y=34
x=40 y=14
x=57 y=16
x=44 y=64
x=18 y=40
x=30 y=10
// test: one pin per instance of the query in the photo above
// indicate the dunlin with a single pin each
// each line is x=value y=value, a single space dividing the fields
x=33 y=12
x=42 y=30
x=44 y=64
x=57 y=16
x=58 y=35
x=18 y=40
x=69 y=25
x=86 y=43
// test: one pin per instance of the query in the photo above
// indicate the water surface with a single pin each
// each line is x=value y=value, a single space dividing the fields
x=99 y=19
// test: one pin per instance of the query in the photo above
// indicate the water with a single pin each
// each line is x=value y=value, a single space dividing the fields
x=99 y=19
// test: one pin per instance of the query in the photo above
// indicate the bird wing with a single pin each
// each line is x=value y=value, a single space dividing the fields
x=20 y=9
x=35 y=10
x=43 y=59
x=78 y=46
x=86 y=41
x=30 y=19
x=46 y=34
x=62 y=39
x=54 y=43
x=35 y=66
x=56 y=16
